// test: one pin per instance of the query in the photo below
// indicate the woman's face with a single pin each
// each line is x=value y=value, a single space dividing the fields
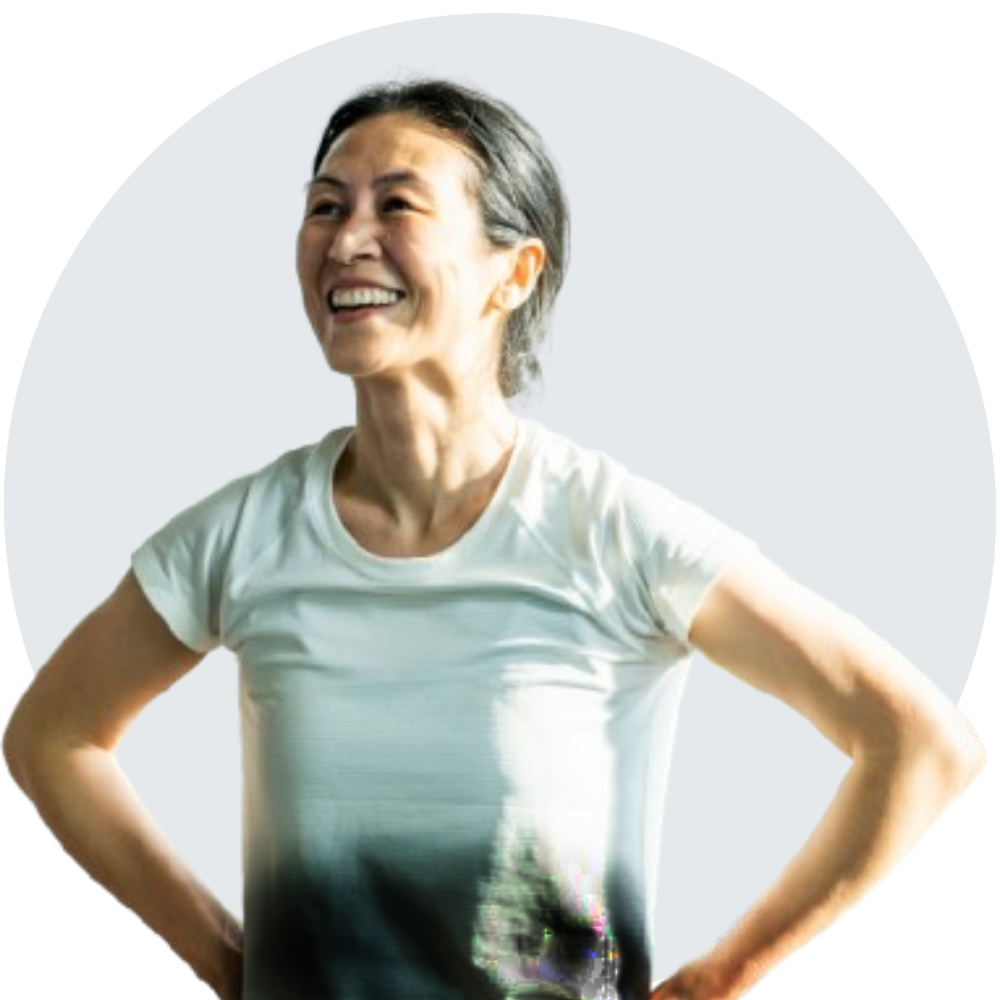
x=396 y=273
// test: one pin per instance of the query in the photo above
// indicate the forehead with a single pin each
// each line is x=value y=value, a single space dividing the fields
x=398 y=142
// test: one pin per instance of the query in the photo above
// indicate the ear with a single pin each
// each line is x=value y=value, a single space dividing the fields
x=521 y=267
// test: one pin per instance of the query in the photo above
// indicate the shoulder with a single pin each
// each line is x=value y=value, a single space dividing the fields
x=244 y=510
x=571 y=481
x=583 y=474
x=186 y=568
x=588 y=507
x=267 y=486
x=642 y=540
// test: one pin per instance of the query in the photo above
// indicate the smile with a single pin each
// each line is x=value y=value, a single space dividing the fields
x=342 y=299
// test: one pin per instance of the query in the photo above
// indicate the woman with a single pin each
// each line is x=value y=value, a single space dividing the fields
x=462 y=638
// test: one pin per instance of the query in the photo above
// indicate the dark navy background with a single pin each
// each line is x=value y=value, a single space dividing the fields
x=745 y=321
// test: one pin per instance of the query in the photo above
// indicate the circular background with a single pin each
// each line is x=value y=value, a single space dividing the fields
x=744 y=322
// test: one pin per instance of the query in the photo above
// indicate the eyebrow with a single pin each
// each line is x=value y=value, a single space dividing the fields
x=384 y=180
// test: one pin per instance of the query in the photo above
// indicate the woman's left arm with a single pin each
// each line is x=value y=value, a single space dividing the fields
x=912 y=753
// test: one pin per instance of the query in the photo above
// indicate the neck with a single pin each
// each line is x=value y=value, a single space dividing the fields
x=421 y=461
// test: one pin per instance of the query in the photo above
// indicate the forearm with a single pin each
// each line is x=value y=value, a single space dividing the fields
x=881 y=808
x=87 y=801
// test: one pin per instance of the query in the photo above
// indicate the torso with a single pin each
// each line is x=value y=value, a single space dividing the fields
x=441 y=751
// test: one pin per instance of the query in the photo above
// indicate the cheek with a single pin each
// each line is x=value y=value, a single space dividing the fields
x=308 y=264
x=309 y=252
x=307 y=271
x=300 y=257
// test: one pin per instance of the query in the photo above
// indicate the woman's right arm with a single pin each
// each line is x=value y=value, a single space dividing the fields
x=59 y=746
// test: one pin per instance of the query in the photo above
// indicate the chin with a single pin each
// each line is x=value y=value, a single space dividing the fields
x=350 y=361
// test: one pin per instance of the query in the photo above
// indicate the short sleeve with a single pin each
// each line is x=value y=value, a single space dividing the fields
x=679 y=551
x=182 y=568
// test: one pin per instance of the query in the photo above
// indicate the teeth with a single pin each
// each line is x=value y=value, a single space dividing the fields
x=363 y=297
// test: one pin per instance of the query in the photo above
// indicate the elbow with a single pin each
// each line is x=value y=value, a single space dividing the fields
x=966 y=753
x=14 y=752
x=955 y=748
x=947 y=752
x=941 y=749
x=26 y=747
x=904 y=722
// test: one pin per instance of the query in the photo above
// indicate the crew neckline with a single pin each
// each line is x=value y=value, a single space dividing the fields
x=406 y=567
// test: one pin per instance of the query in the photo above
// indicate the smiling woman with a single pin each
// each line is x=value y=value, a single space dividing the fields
x=462 y=638
x=394 y=265
x=506 y=174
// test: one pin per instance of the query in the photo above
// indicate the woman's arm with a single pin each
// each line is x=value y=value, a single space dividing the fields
x=913 y=752
x=59 y=747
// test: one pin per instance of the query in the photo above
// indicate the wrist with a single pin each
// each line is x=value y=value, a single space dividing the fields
x=708 y=978
x=232 y=953
x=223 y=970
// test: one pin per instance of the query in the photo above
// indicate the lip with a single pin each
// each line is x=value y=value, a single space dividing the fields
x=358 y=314
x=358 y=283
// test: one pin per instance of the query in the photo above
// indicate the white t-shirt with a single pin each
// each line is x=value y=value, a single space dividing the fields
x=454 y=765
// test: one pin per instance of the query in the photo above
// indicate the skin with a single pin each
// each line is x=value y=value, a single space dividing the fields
x=433 y=437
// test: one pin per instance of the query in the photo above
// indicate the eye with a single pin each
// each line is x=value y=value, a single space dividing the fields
x=395 y=204
x=331 y=208
x=322 y=204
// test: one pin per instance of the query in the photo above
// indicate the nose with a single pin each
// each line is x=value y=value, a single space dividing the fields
x=356 y=238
